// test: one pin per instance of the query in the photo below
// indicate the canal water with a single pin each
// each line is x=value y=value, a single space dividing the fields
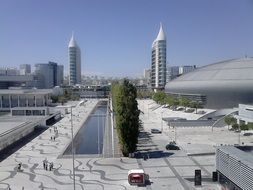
x=89 y=139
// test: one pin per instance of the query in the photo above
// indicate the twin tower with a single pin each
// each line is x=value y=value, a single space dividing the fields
x=158 y=62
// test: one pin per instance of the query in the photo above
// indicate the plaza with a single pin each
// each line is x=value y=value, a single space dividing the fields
x=172 y=169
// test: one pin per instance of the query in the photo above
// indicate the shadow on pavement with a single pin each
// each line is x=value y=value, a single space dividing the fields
x=6 y=152
x=152 y=154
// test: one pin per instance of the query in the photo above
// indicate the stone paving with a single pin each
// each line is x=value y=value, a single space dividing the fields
x=167 y=169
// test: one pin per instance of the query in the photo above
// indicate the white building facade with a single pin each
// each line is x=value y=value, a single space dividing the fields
x=158 y=61
x=74 y=62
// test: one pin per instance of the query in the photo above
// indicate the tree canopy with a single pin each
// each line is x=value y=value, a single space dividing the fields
x=127 y=115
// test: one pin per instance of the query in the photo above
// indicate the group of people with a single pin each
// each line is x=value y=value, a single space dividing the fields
x=55 y=132
x=48 y=165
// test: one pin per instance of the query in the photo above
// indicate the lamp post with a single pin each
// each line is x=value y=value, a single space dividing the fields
x=98 y=136
x=162 y=121
x=73 y=155
x=72 y=144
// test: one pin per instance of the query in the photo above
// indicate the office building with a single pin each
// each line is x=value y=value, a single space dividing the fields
x=146 y=76
x=158 y=62
x=172 y=73
x=186 y=69
x=25 y=69
x=48 y=74
x=60 y=70
x=74 y=62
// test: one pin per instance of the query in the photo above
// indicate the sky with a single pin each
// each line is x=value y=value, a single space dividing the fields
x=115 y=36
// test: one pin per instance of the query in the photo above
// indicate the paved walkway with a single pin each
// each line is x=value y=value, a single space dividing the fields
x=168 y=170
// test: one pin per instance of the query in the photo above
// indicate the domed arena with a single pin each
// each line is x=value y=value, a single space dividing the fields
x=219 y=85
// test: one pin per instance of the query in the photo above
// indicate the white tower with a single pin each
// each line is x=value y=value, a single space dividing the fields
x=158 y=61
x=74 y=62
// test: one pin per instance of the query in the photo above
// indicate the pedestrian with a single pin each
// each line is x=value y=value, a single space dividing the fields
x=51 y=138
x=50 y=130
x=54 y=138
x=46 y=166
x=44 y=163
x=19 y=166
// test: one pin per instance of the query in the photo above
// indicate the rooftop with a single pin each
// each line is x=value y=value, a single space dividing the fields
x=26 y=91
x=243 y=156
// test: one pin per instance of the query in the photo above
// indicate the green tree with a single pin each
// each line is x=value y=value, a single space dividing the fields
x=159 y=97
x=169 y=100
x=244 y=127
x=229 y=120
x=250 y=126
x=196 y=105
x=235 y=126
x=183 y=101
x=127 y=115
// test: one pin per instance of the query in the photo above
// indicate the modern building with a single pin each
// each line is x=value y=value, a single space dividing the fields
x=25 y=81
x=245 y=114
x=25 y=69
x=158 y=61
x=24 y=98
x=146 y=76
x=176 y=71
x=220 y=85
x=49 y=75
x=172 y=72
x=9 y=71
x=234 y=167
x=74 y=62
x=186 y=69
x=60 y=71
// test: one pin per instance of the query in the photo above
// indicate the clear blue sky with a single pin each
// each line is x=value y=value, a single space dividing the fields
x=115 y=36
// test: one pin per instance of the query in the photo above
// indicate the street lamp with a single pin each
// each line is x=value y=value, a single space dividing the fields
x=72 y=144
x=162 y=121
x=73 y=155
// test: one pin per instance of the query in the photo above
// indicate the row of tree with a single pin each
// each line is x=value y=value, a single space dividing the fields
x=127 y=113
x=162 y=98
x=231 y=121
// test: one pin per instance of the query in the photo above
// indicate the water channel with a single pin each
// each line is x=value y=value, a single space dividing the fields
x=89 y=139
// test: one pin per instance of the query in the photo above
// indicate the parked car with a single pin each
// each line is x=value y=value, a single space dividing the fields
x=179 y=109
x=172 y=146
x=247 y=134
x=155 y=131
x=189 y=110
x=201 y=112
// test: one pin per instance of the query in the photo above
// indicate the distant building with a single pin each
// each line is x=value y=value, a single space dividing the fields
x=24 y=81
x=74 y=62
x=49 y=75
x=176 y=71
x=10 y=77
x=158 y=66
x=146 y=76
x=25 y=69
x=186 y=69
x=172 y=73
x=9 y=71
x=60 y=70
